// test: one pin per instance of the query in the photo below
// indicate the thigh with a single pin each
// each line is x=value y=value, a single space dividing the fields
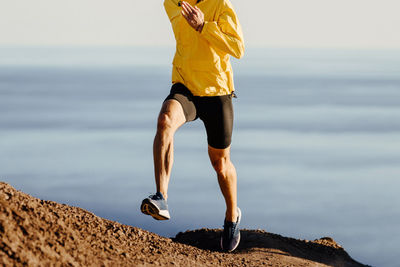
x=181 y=94
x=171 y=115
x=217 y=115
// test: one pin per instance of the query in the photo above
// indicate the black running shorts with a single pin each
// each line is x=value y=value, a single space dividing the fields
x=216 y=112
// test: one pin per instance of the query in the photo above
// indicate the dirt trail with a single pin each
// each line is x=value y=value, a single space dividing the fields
x=35 y=232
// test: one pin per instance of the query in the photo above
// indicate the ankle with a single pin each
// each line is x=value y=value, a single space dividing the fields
x=164 y=194
x=231 y=216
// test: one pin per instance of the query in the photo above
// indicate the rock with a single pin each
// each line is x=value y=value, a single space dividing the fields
x=35 y=232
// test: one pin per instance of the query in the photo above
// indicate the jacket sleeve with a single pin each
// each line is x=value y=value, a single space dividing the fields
x=225 y=33
x=172 y=9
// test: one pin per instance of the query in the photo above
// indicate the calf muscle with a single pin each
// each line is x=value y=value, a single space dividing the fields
x=171 y=117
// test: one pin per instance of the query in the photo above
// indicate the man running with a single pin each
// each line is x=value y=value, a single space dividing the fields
x=207 y=32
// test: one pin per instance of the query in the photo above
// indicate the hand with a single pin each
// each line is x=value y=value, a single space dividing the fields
x=193 y=15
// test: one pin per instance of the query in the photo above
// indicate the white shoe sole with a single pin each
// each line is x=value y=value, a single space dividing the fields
x=149 y=208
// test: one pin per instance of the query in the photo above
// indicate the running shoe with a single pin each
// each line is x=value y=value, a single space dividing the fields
x=155 y=206
x=231 y=235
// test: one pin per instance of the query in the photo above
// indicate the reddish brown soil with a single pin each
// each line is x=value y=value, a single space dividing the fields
x=35 y=232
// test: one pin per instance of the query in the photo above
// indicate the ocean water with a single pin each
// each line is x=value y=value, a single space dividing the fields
x=316 y=140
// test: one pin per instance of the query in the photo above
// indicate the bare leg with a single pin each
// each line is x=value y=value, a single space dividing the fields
x=171 y=117
x=226 y=172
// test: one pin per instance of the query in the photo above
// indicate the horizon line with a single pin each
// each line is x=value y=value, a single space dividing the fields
x=142 y=46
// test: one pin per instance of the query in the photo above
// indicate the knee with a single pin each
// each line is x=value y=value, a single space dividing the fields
x=164 y=123
x=221 y=166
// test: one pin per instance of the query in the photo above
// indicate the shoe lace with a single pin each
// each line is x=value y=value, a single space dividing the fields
x=230 y=227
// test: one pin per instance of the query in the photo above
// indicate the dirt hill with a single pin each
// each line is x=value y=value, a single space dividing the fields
x=35 y=232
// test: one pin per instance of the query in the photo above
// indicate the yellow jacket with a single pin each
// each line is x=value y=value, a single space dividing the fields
x=201 y=60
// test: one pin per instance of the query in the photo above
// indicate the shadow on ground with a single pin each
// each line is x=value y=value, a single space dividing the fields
x=324 y=250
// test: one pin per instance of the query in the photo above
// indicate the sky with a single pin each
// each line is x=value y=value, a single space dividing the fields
x=272 y=23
